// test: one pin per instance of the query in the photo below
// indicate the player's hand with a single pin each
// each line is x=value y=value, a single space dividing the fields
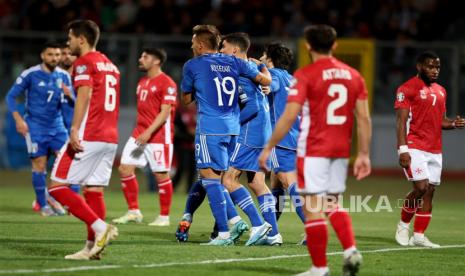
x=74 y=141
x=362 y=166
x=263 y=158
x=21 y=127
x=66 y=90
x=459 y=122
x=266 y=90
x=404 y=160
x=143 y=138
x=256 y=61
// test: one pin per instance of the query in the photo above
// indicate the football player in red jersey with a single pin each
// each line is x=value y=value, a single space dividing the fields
x=152 y=139
x=420 y=108
x=87 y=158
x=328 y=94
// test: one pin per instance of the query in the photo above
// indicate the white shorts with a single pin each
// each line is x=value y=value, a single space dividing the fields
x=90 y=167
x=321 y=175
x=158 y=156
x=424 y=165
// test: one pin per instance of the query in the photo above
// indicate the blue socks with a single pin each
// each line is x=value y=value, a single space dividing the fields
x=230 y=208
x=267 y=205
x=243 y=199
x=75 y=187
x=217 y=201
x=280 y=198
x=194 y=198
x=40 y=188
x=296 y=201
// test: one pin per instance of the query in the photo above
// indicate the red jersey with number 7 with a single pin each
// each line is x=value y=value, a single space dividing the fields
x=427 y=106
x=100 y=121
x=327 y=90
x=151 y=94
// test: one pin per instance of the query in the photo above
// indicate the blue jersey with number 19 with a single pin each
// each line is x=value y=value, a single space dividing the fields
x=213 y=81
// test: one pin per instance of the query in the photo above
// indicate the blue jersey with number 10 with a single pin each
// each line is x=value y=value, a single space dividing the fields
x=213 y=81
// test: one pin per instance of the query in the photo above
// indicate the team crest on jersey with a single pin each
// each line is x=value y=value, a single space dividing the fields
x=400 y=97
x=19 y=80
x=171 y=90
x=59 y=83
x=153 y=88
x=423 y=94
x=81 y=69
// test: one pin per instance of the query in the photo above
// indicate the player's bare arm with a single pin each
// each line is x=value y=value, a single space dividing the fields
x=458 y=122
x=283 y=125
x=21 y=125
x=264 y=77
x=401 y=128
x=362 y=165
x=187 y=98
x=80 y=107
x=156 y=124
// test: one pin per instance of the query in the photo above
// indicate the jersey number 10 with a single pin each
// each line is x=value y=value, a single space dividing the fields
x=221 y=87
x=110 y=93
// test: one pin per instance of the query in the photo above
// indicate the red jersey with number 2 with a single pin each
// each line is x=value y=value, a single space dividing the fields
x=100 y=121
x=151 y=94
x=427 y=106
x=327 y=90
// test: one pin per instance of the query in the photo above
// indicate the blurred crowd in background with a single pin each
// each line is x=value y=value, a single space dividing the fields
x=380 y=19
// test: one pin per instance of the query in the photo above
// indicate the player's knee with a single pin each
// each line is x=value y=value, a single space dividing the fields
x=124 y=170
x=161 y=176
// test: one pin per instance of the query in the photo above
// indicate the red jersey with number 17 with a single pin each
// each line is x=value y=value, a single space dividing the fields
x=151 y=94
x=427 y=106
x=327 y=90
x=100 y=121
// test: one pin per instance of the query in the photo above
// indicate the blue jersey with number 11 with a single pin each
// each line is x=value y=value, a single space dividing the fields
x=213 y=80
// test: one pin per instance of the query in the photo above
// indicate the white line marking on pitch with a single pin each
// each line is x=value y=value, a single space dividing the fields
x=216 y=261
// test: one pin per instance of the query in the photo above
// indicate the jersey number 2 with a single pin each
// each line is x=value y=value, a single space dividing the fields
x=340 y=91
x=110 y=93
x=222 y=87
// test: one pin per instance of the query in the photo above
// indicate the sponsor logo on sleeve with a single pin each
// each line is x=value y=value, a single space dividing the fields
x=400 y=97
x=81 y=69
x=171 y=90
x=19 y=80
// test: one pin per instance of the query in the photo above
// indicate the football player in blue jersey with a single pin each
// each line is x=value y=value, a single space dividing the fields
x=254 y=133
x=278 y=59
x=42 y=125
x=211 y=80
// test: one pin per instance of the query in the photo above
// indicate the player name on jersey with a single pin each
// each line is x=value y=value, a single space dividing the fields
x=106 y=67
x=336 y=73
x=220 y=68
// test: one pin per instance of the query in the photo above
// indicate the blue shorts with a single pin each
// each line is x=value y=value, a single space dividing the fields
x=245 y=158
x=213 y=151
x=283 y=159
x=44 y=144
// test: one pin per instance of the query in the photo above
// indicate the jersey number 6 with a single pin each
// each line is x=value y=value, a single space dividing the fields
x=110 y=93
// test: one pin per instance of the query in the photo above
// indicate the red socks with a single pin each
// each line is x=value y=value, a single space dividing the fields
x=165 y=190
x=407 y=213
x=317 y=241
x=422 y=220
x=131 y=191
x=342 y=225
x=96 y=202
x=76 y=204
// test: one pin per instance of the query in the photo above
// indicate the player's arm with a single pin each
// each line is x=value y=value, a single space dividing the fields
x=17 y=89
x=282 y=127
x=402 y=115
x=161 y=118
x=264 y=76
x=82 y=102
x=362 y=166
x=187 y=98
x=249 y=106
x=187 y=84
x=447 y=123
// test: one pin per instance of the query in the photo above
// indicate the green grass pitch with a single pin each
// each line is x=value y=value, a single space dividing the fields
x=33 y=244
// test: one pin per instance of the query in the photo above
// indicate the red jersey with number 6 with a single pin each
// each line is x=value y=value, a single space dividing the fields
x=327 y=90
x=100 y=121
x=151 y=94
x=427 y=106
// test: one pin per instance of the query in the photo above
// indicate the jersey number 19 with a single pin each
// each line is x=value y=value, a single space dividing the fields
x=222 y=88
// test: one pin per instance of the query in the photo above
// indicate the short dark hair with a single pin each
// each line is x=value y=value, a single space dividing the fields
x=87 y=28
x=157 y=52
x=50 y=44
x=421 y=59
x=280 y=55
x=208 y=34
x=241 y=40
x=320 y=37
